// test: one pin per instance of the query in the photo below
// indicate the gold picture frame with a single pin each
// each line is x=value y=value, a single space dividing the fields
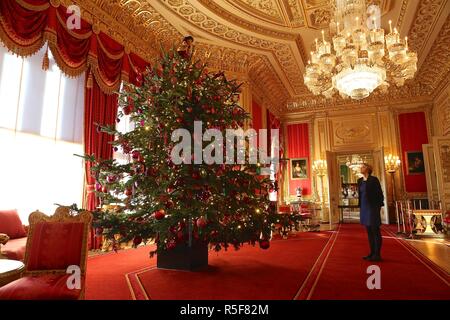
x=299 y=169
x=415 y=163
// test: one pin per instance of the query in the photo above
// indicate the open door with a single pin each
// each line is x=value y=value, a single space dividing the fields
x=333 y=187
x=380 y=172
x=430 y=172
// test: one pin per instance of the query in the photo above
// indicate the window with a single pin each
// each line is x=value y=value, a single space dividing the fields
x=41 y=128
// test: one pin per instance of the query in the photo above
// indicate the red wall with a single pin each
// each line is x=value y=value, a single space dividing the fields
x=298 y=147
x=413 y=133
x=257 y=121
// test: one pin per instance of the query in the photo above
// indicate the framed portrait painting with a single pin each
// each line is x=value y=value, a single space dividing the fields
x=415 y=163
x=299 y=169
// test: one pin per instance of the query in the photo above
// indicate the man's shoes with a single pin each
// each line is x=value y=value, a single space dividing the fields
x=367 y=257
x=374 y=258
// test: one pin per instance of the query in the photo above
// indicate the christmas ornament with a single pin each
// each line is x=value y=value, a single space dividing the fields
x=160 y=214
x=201 y=222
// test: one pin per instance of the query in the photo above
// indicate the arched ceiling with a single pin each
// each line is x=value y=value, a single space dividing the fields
x=267 y=42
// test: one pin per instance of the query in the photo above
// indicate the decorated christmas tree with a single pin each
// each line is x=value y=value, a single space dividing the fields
x=159 y=199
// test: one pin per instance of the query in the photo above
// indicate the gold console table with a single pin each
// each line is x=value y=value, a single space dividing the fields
x=428 y=216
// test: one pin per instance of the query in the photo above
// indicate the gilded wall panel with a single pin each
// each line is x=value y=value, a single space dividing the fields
x=351 y=133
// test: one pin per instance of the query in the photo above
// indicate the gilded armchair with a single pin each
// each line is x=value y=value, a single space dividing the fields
x=54 y=244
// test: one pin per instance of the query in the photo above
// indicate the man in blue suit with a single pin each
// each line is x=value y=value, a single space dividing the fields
x=371 y=200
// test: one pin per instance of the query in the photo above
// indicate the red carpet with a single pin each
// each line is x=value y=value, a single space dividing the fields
x=244 y=274
x=106 y=273
x=308 y=266
x=404 y=275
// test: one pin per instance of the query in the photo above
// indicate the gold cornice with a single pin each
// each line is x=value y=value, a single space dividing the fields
x=426 y=14
x=214 y=7
x=436 y=67
x=135 y=26
x=282 y=51
x=273 y=55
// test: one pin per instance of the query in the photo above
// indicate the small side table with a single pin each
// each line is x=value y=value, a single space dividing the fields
x=10 y=270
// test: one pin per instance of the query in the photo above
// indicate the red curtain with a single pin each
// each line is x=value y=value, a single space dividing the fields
x=26 y=25
x=298 y=147
x=413 y=134
x=101 y=109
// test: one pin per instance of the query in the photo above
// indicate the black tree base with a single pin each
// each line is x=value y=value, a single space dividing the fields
x=184 y=257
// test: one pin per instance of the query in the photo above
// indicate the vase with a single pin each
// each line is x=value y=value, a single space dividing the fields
x=184 y=257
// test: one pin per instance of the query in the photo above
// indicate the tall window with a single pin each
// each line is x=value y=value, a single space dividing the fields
x=41 y=128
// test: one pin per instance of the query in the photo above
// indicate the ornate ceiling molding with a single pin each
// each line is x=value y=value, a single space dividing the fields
x=270 y=56
x=135 y=24
x=426 y=14
x=282 y=51
x=436 y=67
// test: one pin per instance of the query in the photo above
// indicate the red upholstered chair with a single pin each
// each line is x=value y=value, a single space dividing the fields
x=54 y=243
x=13 y=235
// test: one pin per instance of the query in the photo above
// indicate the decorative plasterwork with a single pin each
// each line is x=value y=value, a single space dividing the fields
x=222 y=58
x=426 y=14
x=264 y=80
x=135 y=24
x=271 y=54
x=282 y=51
x=436 y=67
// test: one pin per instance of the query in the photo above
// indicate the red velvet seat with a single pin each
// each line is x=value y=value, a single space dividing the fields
x=11 y=225
x=54 y=244
x=42 y=287
x=15 y=249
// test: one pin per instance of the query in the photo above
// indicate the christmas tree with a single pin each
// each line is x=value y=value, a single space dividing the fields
x=170 y=203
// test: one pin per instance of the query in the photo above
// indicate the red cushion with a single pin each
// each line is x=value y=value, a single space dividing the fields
x=15 y=249
x=45 y=287
x=11 y=225
x=55 y=245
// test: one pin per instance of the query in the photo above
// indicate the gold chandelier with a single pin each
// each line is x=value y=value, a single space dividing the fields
x=360 y=57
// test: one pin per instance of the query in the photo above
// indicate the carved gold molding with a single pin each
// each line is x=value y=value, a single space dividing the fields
x=138 y=25
x=427 y=12
x=436 y=67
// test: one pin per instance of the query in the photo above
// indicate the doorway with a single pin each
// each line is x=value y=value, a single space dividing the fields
x=348 y=165
x=343 y=174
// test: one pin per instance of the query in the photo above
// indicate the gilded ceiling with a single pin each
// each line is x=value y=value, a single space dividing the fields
x=267 y=42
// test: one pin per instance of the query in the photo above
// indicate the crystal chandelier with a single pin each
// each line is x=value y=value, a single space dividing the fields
x=355 y=164
x=360 y=57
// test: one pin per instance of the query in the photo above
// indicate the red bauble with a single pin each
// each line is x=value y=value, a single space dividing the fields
x=111 y=178
x=189 y=109
x=98 y=187
x=160 y=214
x=171 y=245
x=127 y=109
x=169 y=204
x=128 y=192
x=179 y=120
x=195 y=175
x=264 y=244
x=174 y=80
x=137 y=240
x=104 y=189
x=135 y=154
x=201 y=222
x=214 y=233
